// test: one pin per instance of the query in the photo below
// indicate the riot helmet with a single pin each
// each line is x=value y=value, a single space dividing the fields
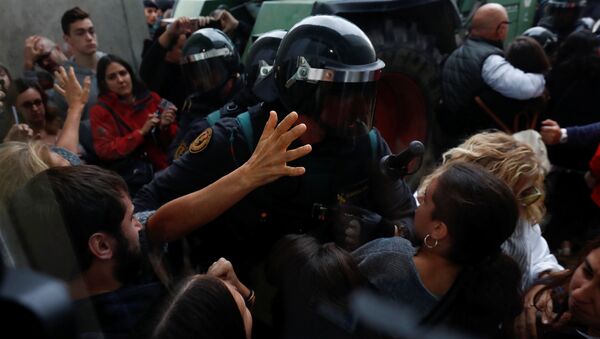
x=326 y=69
x=261 y=55
x=209 y=59
x=564 y=12
x=566 y=3
x=547 y=39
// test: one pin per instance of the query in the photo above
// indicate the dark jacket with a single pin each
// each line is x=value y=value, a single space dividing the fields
x=117 y=314
x=163 y=77
x=461 y=75
x=574 y=85
x=335 y=171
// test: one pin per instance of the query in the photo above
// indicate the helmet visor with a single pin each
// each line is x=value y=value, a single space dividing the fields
x=345 y=109
x=205 y=75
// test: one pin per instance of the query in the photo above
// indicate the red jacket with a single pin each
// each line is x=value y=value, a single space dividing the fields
x=112 y=141
x=595 y=170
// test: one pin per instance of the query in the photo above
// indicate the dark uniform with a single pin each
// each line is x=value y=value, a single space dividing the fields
x=210 y=62
x=563 y=17
x=195 y=109
x=291 y=204
x=327 y=75
x=262 y=53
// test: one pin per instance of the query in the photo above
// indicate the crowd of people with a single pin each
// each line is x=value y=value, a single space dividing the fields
x=220 y=197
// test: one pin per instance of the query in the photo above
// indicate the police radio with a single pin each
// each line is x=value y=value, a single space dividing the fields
x=397 y=166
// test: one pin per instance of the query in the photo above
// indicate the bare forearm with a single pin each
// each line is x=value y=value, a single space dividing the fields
x=69 y=137
x=183 y=215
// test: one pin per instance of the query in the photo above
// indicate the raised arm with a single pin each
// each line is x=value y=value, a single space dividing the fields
x=268 y=163
x=76 y=97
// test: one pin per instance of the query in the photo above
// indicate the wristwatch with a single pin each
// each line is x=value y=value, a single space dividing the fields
x=563 y=136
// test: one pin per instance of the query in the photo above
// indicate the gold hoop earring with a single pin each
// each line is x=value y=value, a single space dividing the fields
x=428 y=245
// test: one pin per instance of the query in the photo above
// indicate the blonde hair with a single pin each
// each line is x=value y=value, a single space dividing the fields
x=19 y=162
x=507 y=158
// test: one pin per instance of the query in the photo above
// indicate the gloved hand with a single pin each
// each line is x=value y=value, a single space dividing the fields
x=355 y=226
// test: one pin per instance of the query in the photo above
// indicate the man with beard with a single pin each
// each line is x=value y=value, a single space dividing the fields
x=96 y=245
x=91 y=239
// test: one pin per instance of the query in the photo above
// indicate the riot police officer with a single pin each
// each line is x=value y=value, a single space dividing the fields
x=258 y=63
x=326 y=70
x=212 y=68
x=562 y=17
x=545 y=37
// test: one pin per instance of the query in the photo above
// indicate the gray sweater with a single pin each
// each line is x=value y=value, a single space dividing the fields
x=388 y=265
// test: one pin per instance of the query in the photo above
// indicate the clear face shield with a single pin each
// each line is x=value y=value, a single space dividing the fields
x=341 y=100
x=206 y=71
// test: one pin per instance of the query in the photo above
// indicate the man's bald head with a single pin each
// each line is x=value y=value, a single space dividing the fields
x=490 y=22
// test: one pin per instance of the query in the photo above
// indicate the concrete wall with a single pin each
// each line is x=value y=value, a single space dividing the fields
x=120 y=26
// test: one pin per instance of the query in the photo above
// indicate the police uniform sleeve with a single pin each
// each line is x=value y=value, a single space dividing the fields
x=393 y=198
x=207 y=159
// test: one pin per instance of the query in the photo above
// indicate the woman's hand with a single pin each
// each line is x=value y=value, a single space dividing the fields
x=540 y=310
x=151 y=122
x=223 y=269
x=19 y=132
x=68 y=86
x=270 y=158
x=167 y=117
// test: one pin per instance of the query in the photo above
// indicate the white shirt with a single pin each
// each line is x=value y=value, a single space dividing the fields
x=509 y=81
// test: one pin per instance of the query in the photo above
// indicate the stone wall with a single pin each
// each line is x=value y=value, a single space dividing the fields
x=120 y=27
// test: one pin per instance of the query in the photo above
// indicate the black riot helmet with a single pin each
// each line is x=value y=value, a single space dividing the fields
x=261 y=55
x=208 y=60
x=547 y=39
x=566 y=3
x=326 y=69
x=564 y=12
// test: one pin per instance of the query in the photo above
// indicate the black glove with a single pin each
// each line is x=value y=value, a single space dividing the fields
x=355 y=226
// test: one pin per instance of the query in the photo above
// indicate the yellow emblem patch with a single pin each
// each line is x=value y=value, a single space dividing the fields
x=180 y=150
x=201 y=141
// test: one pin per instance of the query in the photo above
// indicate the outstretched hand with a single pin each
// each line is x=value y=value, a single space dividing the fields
x=270 y=158
x=69 y=87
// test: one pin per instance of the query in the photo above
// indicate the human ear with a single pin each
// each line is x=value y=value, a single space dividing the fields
x=102 y=245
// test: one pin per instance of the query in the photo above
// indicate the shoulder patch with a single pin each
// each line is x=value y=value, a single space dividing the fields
x=180 y=150
x=201 y=141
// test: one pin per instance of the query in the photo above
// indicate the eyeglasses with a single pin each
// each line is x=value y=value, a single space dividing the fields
x=502 y=23
x=529 y=196
x=30 y=104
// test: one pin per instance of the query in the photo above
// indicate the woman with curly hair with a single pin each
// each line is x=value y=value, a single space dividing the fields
x=517 y=165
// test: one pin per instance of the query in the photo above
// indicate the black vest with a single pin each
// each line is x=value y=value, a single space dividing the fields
x=461 y=76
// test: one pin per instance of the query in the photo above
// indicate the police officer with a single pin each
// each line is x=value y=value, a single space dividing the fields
x=562 y=17
x=211 y=65
x=545 y=37
x=326 y=70
x=258 y=63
